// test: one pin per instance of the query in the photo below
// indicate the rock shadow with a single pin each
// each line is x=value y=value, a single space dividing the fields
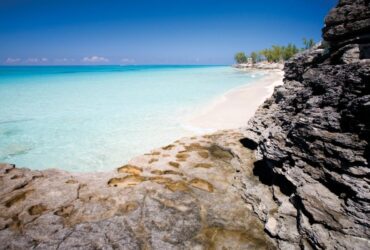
x=268 y=177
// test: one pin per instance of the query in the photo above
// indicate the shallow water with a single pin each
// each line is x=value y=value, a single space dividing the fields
x=96 y=118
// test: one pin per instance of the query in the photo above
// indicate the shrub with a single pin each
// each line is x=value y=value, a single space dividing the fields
x=240 y=57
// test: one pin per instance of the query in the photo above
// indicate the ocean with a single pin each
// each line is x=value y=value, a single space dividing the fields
x=96 y=118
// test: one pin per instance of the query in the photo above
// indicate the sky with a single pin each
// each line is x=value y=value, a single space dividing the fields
x=90 y=32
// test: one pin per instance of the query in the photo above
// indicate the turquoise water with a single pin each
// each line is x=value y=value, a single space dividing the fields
x=91 y=118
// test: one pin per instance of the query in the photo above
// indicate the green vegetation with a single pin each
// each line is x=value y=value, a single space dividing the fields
x=308 y=43
x=240 y=57
x=275 y=53
x=289 y=51
x=255 y=57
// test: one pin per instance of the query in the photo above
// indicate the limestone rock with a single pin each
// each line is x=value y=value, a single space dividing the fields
x=312 y=138
x=193 y=204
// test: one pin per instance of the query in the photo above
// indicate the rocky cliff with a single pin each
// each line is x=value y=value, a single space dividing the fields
x=297 y=177
x=312 y=139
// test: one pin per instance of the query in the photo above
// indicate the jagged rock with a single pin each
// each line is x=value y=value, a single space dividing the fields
x=271 y=226
x=313 y=137
x=350 y=19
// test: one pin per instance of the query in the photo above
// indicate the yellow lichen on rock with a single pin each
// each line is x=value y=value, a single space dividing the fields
x=160 y=179
x=222 y=238
x=19 y=196
x=174 y=164
x=203 y=154
x=194 y=147
x=172 y=204
x=156 y=172
x=220 y=153
x=71 y=181
x=201 y=184
x=172 y=172
x=130 y=169
x=177 y=186
x=182 y=156
x=37 y=209
x=128 y=207
x=65 y=211
x=168 y=147
x=170 y=184
x=164 y=172
x=203 y=165
x=127 y=181
x=152 y=160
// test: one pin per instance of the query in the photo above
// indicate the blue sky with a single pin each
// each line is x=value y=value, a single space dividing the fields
x=41 y=32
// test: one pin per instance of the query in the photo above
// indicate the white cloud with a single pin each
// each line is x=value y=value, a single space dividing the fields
x=95 y=59
x=127 y=60
x=36 y=60
x=63 y=60
x=33 y=60
x=10 y=60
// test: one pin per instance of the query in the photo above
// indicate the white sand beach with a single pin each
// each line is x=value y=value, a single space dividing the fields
x=236 y=107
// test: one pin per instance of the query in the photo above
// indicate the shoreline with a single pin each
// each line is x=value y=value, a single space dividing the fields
x=228 y=111
x=233 y=109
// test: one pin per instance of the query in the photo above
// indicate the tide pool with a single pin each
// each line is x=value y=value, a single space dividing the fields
x=96 y=118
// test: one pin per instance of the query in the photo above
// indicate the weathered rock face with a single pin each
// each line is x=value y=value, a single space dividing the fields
x=312 y=139
x=349 y=23
x=182 y=196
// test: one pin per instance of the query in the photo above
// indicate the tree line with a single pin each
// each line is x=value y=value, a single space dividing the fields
x=275 y=53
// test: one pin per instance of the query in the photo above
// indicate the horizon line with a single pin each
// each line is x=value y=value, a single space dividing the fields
x=107 y=65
